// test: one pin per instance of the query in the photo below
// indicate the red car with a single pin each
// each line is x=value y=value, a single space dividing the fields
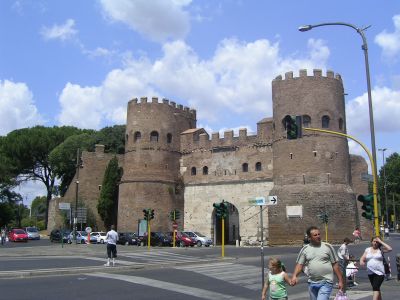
x=183 y=240
x=17 y=235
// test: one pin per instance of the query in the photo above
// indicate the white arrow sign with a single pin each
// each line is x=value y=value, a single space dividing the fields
x=272 y=200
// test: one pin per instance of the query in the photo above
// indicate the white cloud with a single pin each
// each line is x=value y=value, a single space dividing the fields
x=60 y=32
x=235 y=81
x=390 y=42
x=17 y=108
x=386 y=109
x=158 y=20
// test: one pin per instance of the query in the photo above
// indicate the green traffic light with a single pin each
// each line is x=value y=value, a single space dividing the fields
x=367 y=205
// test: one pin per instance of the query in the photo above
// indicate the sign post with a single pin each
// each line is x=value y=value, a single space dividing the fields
x=261 y=201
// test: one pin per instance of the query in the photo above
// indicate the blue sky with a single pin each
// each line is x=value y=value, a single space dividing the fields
x=79 y=62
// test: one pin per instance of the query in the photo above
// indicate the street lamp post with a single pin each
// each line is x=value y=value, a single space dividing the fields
x=78 y=165
x=364 y=47
x=384 y=186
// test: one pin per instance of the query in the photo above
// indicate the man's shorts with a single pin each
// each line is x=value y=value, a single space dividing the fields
x=111 y=251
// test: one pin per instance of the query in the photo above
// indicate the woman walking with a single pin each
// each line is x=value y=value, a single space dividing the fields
x=373 y=257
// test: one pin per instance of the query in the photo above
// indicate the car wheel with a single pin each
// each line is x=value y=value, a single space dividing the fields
x=101 y=241
x=126 y=243
x=181 y=244
x=198 y=243
x=82 y=241
x=142 y=243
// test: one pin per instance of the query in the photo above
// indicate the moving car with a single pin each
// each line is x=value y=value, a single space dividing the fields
x=55 y=235
x=17 y=235
x=182 y=239
x=33 y=233
x=199 y=238
x=128 y=238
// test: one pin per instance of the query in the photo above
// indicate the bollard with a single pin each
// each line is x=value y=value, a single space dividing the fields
x=237 y=243
x=398 y=266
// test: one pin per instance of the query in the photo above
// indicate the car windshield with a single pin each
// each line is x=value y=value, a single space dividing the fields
x=19 y=231
x=31 y=229
x=199 y=234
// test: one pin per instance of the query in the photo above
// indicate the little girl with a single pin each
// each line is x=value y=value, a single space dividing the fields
x=276 y=281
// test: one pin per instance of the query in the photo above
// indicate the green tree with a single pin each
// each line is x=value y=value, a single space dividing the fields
x=392 y=170
x=113 y=138
x=63 y=157
x=7 y=213
x=27 y=151
x=107 y=206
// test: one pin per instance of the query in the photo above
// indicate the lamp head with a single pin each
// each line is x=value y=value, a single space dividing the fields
x=305 y=28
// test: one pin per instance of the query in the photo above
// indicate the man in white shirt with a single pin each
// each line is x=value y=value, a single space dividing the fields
x=112 y=238
x=344 y=256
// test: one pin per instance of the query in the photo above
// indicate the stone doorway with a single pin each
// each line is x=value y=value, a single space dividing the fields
x=232 y=233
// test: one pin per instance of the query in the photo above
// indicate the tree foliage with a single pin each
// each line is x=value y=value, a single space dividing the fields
x=113 y=138
x=107 y=205
x=27 y=151
x=63 y=158
x=391 y=169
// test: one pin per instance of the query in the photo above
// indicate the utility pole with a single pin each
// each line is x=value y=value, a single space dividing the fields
x=384 y=186
x=78 y=165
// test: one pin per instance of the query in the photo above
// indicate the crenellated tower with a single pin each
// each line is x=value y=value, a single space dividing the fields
x=151 y=176
x=311 y=174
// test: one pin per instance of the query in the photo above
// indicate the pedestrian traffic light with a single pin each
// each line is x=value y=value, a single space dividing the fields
x=293 y=127
x=367 y=206
x=151 y=212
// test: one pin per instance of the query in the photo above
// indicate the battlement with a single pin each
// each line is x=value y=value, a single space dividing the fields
x=154 y=100
x=199 y=139
x=303 y=73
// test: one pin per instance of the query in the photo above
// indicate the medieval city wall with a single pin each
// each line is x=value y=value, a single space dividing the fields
x=199 y=199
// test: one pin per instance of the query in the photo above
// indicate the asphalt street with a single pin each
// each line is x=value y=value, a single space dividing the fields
x=50 y=271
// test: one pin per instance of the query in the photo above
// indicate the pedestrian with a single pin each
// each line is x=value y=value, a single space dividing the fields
x=322 y=262
x=344 y=256
x=373 y=257
x=357 y=235
x=351 y=271
x=3 y=236
x=112 y=238
x=276 y=281
x=386 y=231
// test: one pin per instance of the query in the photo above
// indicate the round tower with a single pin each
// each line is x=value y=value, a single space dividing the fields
x=151 y=162
x=312 y=174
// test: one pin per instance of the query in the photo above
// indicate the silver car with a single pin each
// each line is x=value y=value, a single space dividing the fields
x=33 y=233
x=200 y=239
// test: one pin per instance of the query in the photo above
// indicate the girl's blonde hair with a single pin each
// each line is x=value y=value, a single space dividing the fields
x=277 y=264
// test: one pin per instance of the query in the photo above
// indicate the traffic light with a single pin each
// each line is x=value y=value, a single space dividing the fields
x=366 y=200
x=221 y=209
x=324 y=218
x=151 y=213
x=171 y=216
x=146 y=214
x=293 y=125
x=177 y=214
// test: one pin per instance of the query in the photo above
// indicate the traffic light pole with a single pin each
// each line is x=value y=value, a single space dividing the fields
x=375 y=179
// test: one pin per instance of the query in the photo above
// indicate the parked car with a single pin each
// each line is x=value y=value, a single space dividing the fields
x=100 y=236
x=81 y=237
x=199 y=238
x=182 y=239
x=93 y=238
x=157 y=239
x=55 y=235
x=17 y=235
x=128 y=238
x=33 y=233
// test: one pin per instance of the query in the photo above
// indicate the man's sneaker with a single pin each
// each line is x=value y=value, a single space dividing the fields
x=106 y=265
x=355 y=283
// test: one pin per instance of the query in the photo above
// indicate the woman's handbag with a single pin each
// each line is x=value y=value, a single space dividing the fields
x=340 y=295
x=385 y=264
